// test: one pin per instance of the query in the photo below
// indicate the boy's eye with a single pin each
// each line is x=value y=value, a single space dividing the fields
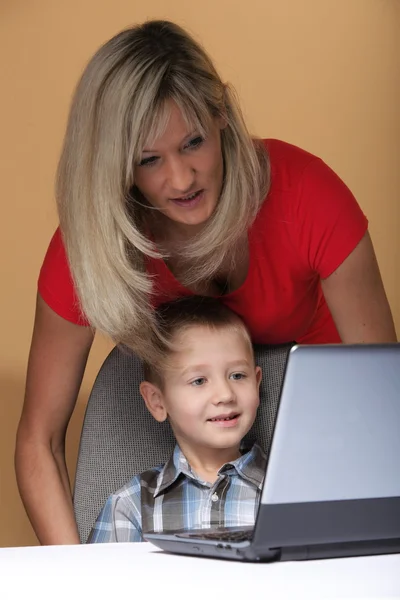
x=150 y=160
x=199 y=381
x=195 y=142
x=237 y=376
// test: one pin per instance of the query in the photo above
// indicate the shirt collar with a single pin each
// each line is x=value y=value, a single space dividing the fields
x=175 y=466
x=250 y=466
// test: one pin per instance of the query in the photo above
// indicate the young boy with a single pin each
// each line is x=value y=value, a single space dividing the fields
x=207 y=385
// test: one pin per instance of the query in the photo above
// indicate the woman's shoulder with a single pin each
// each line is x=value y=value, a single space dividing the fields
x=55 y=284
x=300 y=178
x=310 y=204
x=288 y=166
x=287 y=161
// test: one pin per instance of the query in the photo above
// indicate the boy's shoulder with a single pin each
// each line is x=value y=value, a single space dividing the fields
x=153 y=481
x=150 y=479
x=133 y=486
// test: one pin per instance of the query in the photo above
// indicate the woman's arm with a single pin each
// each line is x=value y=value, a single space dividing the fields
x=357 y=300
x=57 y=361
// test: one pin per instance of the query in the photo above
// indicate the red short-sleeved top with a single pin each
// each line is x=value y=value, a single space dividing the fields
x=307 y=226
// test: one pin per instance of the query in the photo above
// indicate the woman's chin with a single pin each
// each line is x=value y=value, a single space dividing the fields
x=194 y=219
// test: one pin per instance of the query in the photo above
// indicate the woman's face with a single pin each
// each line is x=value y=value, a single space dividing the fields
x=181 y=174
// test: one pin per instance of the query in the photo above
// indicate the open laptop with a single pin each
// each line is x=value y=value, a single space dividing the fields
x=332 y=484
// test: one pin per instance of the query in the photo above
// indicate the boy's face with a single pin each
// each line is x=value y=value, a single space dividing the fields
x=211 y=392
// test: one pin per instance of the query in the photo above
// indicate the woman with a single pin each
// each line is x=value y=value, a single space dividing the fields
x=162 y=193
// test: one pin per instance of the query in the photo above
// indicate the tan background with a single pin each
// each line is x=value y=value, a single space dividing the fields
x=323 y=74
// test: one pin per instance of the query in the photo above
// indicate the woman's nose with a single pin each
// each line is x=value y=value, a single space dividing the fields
x=180 y=176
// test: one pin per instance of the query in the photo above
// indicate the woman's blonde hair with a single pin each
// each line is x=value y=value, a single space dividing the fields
x=118 y=106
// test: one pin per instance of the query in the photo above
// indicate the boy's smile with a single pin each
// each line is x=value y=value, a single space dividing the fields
x=225 y=420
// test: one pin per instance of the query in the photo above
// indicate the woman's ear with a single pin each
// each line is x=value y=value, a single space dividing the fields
x=154 y=400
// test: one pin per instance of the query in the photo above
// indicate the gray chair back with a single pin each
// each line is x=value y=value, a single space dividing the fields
x=121 y=439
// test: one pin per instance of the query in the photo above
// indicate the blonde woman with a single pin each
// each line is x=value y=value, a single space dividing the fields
x=162 y=192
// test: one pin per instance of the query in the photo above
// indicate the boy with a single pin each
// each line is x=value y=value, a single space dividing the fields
x=206 y=383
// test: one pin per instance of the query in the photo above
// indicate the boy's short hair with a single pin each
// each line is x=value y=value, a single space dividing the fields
x=177 y=315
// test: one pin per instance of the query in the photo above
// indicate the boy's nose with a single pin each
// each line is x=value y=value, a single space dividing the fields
x=223 y=393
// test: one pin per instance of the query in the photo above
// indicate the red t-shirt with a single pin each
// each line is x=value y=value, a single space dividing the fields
x=308 y=224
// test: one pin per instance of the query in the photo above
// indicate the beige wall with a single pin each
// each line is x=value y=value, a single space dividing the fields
x=323 y=74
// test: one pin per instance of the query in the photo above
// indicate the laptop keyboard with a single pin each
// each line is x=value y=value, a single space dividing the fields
x=226 y=536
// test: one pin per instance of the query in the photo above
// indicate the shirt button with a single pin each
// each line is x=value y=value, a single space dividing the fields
x=214 y=497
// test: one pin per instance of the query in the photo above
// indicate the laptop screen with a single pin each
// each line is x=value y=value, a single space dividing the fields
x=337 y=435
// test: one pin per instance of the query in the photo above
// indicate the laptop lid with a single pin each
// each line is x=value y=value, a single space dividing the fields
x=334 y=462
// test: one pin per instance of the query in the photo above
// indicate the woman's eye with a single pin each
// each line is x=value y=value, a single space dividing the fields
x=199 y=381
x=145 y=162
x=237 y=376
x=195 y=142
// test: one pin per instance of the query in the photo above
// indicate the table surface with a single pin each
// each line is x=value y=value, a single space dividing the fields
x=122 y=571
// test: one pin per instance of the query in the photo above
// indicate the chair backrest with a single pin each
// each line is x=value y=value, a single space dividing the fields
x=120 y=438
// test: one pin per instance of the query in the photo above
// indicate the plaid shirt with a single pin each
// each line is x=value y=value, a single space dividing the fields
x=172 y=497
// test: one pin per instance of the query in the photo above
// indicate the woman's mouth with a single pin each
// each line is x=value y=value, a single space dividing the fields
x=189 y=201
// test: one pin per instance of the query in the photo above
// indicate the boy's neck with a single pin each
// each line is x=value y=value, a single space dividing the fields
x=206 y=462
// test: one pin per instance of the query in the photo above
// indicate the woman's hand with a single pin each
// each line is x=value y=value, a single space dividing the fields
x=357 y=300
x=56 y=365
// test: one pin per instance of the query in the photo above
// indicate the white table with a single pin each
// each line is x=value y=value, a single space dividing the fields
x=124 y=571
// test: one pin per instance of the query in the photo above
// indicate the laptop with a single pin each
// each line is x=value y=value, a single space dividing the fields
x=332 y=482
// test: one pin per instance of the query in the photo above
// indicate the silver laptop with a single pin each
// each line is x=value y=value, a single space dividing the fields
x=332 y=484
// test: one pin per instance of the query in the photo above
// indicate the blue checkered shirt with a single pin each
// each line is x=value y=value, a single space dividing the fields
x=172 y=497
